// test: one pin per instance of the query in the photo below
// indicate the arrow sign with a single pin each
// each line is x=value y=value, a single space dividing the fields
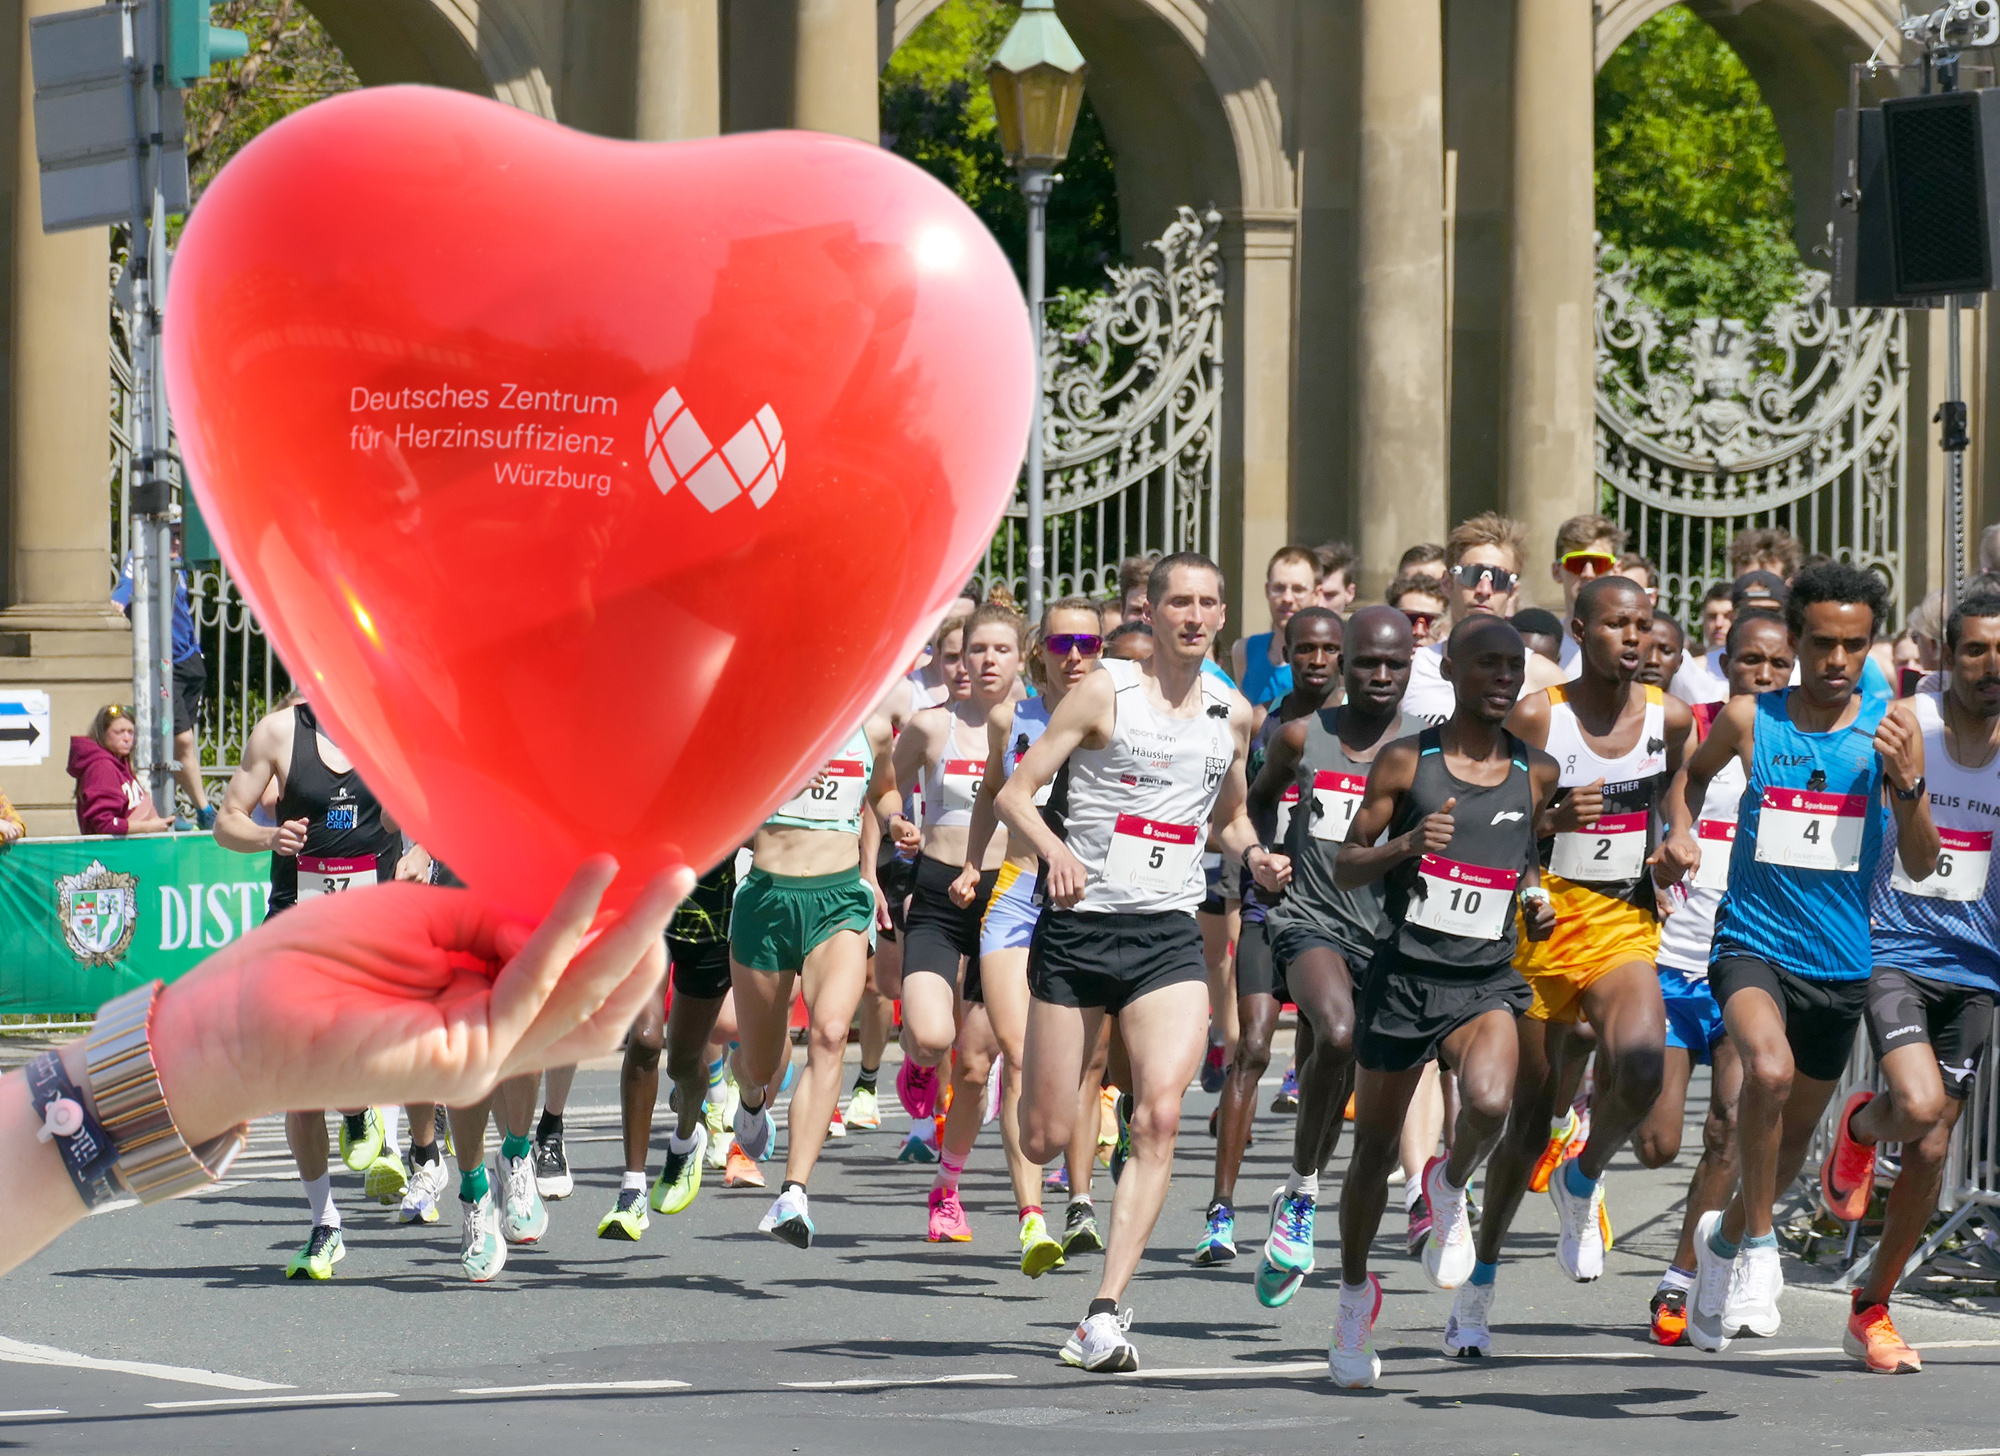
x=24 y=726
x=20 y=735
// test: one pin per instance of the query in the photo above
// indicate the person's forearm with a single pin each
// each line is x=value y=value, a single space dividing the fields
x=979 y=833
x=1685 y=798
x=1239 y=837
x=1917 y=841
x=1359 y=865
x=1015 y=804
x=238 y=831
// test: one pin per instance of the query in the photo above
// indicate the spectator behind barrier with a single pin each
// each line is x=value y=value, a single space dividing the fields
x=109 y=797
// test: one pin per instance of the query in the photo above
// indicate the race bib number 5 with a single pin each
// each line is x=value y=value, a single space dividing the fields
x=1150 y=855
x=835 y=793
x=332 y=876
x=1811 y=831
x=1718 y=838
x=1961 y=869
x=1462 y=899
x=1612 y=849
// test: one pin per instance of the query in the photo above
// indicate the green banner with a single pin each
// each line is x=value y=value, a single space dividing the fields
x=82 y=920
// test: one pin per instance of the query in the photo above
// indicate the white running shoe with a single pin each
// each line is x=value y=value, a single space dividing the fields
x=1710 y=1299
x=480 y=1248
x=523 y=1218
x=1351 y=1357
x=1466 y=1333
x=1448 y=1251
x=424 y=1192
x=1099 y=1345
x=789 y=1220
x=1752 y=1306
x=1580 y=1245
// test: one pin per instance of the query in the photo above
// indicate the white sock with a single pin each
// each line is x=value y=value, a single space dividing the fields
x=1413 y=1189
x=1304 y=1183
x=319 y=1193
x=392 y=1129
x=1356 y=1293
x=633 y=1182
x=1674 y=1279
x=678 y=1144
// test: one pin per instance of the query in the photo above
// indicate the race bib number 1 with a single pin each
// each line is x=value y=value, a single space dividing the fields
x=1461 y=899
x=1337 y=797
x=1811 y=831
x=332 y=876
x=1150 y=855
x=1718 y=839
x=1961 y=868
x=835 y=793
x=1612 y=849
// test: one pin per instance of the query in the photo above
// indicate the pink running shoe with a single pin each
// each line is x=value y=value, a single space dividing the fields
x=948 y=1223
x=917 y=1087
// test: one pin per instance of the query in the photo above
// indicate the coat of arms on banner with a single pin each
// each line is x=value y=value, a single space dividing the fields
x=99 y=909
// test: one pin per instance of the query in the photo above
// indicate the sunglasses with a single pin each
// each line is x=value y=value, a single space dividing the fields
x=1062 y=644
x=1503 y=580
x=1421 y=621
x=1597 y=563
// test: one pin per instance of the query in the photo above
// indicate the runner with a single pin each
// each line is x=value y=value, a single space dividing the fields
x=1129 y=642
x=1587 y=547
x=551 y=1159
x=1152 y=752
x=1618 y=745
x=1066 y=650
x=332 y=836
x=1338 y=584
x=1259 y=663
x=804 y=914
x=1757 y=658
x=1323 y=938
x=1664 y=651
x=1443 y=985
x=1424 y=606
x=1790 y=963
x=946 y=748
x=1936 y=947
x=1482 y=578
x=1542 y=630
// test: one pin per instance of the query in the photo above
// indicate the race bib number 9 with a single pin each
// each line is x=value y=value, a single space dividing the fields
x=1462 y=899
x=961 y=778
x=1337 y=799
x=1149 y=855
x=1612 y=849
x=1811 y=831
x=835 y=793
x=333 y=876
x=1718 y=839
x=1961 y=868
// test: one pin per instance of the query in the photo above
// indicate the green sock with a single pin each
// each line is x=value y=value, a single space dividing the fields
x=472 y=1185
x=514 y=1147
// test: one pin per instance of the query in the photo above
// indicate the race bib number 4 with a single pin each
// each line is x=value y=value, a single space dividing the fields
x=1961 y=868
x=1612 y=849
x=835 y=793
x=1462 y=899
x=1149 y=855
x=1811 y=831
x=1336 y=800
x=1718 y=838
x=332 y=876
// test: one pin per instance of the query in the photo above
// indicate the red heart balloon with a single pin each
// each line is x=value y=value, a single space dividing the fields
x=594 y=490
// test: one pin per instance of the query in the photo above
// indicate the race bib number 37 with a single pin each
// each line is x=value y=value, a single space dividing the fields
x=1962 y=864
x=1462 y=899
x=1811 y=831
x=1614 y=848
x=1150 y=855
x=332 y=876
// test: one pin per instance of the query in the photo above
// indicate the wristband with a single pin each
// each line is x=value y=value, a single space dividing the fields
x=87 y=1150
x=1537 y=893
x=154 y=1160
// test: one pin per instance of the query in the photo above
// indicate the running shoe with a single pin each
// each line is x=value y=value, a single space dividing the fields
x=1420 y=1222
x=552 y=1178
x=947 y=1218
x=1039 y=1252
x=1350 y=1356
x=919 y=1144
x=205 y=818
x=424 y=1196
x=481 y=1250
x=627 y=1219
x=360 y=1148
x=1448 y=1252
x=1871 y=1338
x=1670 y=1317
x=1080 y=1235
x=836 y=1126
x=1056 y=1180
x=1580 y=1243
x=719 y=1144
x=789 y=1221
x=1099 y=1345
x=1287 y=1256
x=323 y=1249
x=1752 y=1308
x=1712 y=1278
x=1214 y=1069
x=740 y=1170
x=917 y=1089
x=862 y=1108
x=719 y=1115
x=1468 y=1335
x=680 y=1175
x=1287 y=1099
x=1560 y=1140
x=1847 y=1177
x=1121 y=1151
x=1218 y=1240
x=523 y=1216
x=386 y=1179
x=755 y=1132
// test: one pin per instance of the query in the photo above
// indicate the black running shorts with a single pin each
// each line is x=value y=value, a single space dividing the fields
x=1111 y=960
x=700 y=968
x=1402 y=1019
x=897 y=877
x=1954 y=1021
x=937 y=932
x=1258 y=972
x=1821 y=1017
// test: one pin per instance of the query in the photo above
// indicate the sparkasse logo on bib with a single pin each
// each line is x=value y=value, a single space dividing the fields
x=678 y=452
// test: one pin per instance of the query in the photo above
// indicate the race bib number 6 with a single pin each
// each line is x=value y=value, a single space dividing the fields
x=1462 y=899
x=333 y=876
x=1811 y=831
x=1150 y=855
x=1612 y=849
x=1961 y=869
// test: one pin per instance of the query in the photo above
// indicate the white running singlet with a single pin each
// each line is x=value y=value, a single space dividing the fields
x=952 y=783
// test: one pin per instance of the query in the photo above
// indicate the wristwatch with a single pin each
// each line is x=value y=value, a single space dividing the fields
x=154 y=1161
x=1915 y=790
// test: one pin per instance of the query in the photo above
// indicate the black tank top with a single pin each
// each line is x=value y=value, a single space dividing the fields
x=343 y=821
x=1475 y=880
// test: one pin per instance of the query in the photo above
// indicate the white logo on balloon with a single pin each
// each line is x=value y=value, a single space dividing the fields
x=678 y=452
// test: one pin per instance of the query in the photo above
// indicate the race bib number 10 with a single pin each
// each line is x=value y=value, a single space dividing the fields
x=332 y=876
x=1811 y=831
x=1462 y=899
x=1150 y=855
x=1961 y=869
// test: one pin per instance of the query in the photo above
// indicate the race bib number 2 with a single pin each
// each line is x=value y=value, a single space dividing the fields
x=1462 y=899
x=1811 y=831
x=1150 y=855
x=1614 y=848
x=1963 y=861
x=333 y=876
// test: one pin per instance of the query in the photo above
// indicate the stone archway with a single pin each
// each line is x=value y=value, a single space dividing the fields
x=489 y=47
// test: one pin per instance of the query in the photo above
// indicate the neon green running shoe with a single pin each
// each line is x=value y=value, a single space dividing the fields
x=627 y=1219
x=680 y=1175
x=359 y=1148
x=386 y=1180
x=1039 y=1252
x=323 y=1250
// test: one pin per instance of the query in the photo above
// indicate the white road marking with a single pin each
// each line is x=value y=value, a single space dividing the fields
x=20 y=1352
x=1965 y=1451
x=574 y=1385
x=1284 y=1367
x=879 y=1383
x=51 y=1411
x=244 y=1400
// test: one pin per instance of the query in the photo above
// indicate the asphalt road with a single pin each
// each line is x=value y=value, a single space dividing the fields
x=173 y=1330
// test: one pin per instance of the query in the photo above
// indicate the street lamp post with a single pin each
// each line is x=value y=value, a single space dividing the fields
x=1037 y=83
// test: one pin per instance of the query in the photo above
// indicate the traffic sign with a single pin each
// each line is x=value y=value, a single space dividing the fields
x=24 y=726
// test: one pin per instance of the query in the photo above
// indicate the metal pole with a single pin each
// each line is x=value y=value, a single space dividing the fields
x=1955 y=440
x=163 y=536
x=144 y=605
x=1036 y=184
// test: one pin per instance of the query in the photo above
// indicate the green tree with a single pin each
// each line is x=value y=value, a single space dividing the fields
x=1692 y=185
x=938 y=113
x=292 y=63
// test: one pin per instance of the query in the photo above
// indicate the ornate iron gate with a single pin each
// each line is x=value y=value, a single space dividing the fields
x=1131 y=423
x=1799 y=424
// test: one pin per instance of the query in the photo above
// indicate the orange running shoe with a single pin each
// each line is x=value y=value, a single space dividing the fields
x=1670 y=1317
x=741 y=1171
x=1847 y=1177
x=1872 y=1339
x=1347 y=1112
x=1562 y=1138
